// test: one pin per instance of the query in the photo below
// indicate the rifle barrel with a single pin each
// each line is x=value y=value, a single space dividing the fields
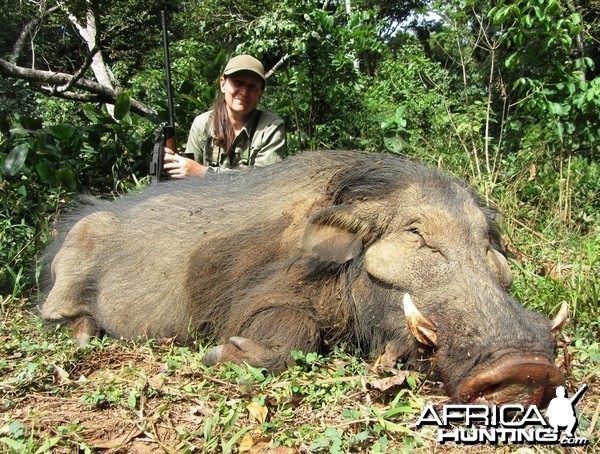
x=163 y=20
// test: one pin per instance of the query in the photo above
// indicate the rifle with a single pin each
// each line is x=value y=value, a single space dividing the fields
x=166 y=134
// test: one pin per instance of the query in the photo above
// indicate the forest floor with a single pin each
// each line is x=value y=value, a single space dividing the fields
x=125 y=397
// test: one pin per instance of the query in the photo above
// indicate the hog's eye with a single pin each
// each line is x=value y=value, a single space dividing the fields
x=418 y=237
x=415 y=230
x=423 y=242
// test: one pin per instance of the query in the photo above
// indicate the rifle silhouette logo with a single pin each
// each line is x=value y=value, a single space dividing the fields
x=561 y=410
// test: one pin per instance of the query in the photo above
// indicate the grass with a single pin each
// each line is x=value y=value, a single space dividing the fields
x=114 y=394
x=115 y=397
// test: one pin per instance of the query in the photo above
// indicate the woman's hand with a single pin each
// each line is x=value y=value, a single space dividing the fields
x=178 y=167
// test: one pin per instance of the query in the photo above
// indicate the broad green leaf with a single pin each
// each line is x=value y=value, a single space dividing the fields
x=45 y=170
x=48 y=445
x=122 y=105
x=509 y=60
x=66 y=177
x=352 y=414
x=90 y=112
x=13 y=444
x=556 y=108
x=133 y=399
x=63 y=132
x=15 y=160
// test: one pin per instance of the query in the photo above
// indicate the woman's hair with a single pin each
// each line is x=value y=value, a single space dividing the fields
x=222 y=127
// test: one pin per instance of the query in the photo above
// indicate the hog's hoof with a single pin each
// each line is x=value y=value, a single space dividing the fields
x=213 y=356
x=237 y=350
x=84 y=328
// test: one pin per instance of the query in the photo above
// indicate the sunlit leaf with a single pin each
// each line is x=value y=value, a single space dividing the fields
x=257 y=411
x=15 y=160
x=246 y=444
x=386 y=383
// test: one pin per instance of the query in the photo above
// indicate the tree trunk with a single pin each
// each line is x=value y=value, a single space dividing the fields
x=89 y=33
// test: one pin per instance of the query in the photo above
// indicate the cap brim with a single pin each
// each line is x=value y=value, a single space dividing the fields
x=229 y=72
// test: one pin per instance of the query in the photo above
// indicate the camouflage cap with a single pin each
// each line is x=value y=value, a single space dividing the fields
x=245 y=63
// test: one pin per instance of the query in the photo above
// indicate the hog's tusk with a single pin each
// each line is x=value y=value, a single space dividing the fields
x=561 y=318
x=420 y=327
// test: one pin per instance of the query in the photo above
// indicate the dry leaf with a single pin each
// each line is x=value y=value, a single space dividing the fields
x=246 y=443
x=388 y=360
x=383 y=384
x=281 y=450
x=257 y=411
x=260 y=446
x=157 y=382
x=62 y=375
x=115 y=442
x=532 y=172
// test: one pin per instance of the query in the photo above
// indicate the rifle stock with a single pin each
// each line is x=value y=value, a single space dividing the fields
x=169 y=134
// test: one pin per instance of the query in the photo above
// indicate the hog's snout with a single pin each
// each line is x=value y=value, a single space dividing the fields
x=525 y=380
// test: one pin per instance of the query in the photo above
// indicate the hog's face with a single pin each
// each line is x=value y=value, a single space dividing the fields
x=437 y=254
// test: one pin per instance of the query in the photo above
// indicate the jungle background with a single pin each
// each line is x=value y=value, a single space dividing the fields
x=504 y=94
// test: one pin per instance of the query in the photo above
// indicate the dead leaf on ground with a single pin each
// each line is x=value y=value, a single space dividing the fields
x=281 y=450
x=246 y=444
x=257 y=411
x=261 y=446
x=157 y=381
x=115 y=442
x=249 y=444
x=383 y=384
x=388 y=360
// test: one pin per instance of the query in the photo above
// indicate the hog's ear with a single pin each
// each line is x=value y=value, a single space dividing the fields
x=335 y=235
x=497 y=253
x=500 y=267
x=559 y=321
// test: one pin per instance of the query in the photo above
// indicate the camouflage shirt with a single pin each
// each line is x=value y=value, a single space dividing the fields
x=268 y=143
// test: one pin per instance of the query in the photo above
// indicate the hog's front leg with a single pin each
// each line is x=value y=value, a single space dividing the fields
x=267 y=340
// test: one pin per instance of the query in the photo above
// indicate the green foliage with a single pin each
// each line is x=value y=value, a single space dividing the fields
x=550 y=70
x=319 y=89
x=42 y=168
x=408 y=105
x=194 y=71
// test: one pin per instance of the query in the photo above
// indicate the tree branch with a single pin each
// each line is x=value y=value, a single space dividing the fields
x=100 y=92
x=70 y=95
x=88 y=31
x=26 y=31
x=79 y=73
x=277 y=65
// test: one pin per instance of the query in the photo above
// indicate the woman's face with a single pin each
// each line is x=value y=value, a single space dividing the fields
x=243 y=91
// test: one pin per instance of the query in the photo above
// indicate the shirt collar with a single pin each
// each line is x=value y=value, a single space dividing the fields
x=248 y=125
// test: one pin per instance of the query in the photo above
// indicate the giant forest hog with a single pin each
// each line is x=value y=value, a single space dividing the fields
x=325 y=247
